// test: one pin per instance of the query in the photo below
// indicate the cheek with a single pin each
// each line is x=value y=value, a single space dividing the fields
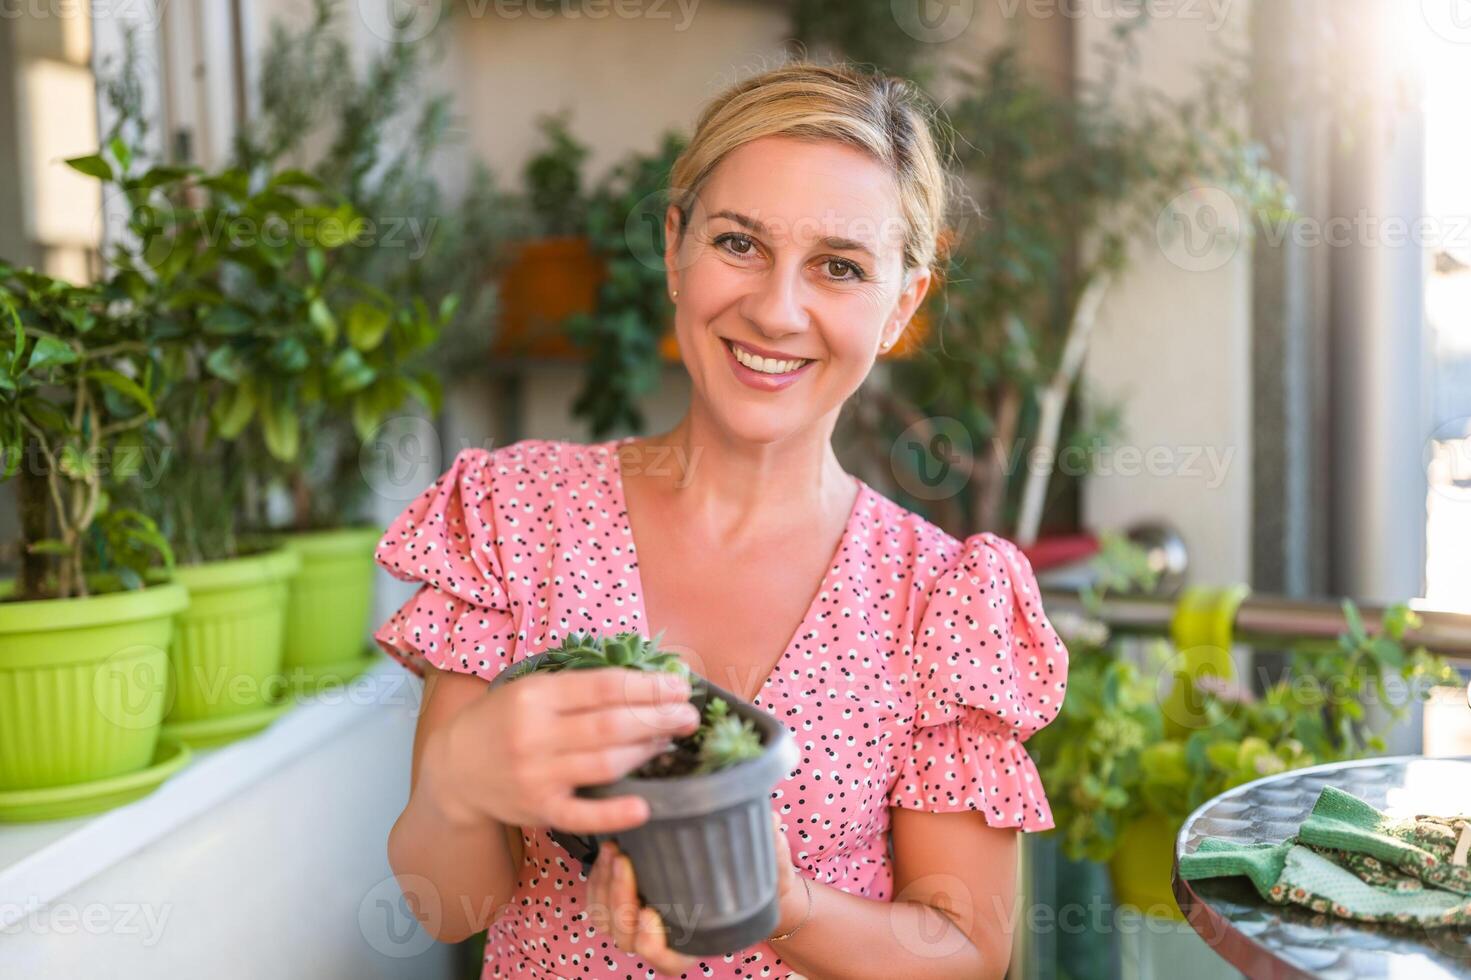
x=707 y=293
x=851 y=327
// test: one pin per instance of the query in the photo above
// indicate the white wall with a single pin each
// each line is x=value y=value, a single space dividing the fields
x=1173 y=344
x=286 y=879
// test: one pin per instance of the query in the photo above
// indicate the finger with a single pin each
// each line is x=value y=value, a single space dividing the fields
x=579 y=690
x=652 y=946
x=605 y=765
x=624 y=902
x=603 y=868
x=783 y=846
x=621 y=725
x=577 y=815
x=597 y=891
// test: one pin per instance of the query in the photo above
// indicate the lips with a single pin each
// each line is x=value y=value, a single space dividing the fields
x=764 y=373
x=766 y=362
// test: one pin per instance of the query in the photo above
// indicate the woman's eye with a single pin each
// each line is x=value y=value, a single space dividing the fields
x=730 y=243
x=837 y=267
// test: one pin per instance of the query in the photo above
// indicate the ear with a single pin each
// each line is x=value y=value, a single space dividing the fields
x=910 y=297
x=671 y=249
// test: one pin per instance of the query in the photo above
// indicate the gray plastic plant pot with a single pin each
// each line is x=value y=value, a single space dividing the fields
x=705 y=860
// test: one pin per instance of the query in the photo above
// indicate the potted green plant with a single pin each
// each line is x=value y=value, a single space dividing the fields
x=239 y=275
x=705 y=859
x=376 y=370
x=626 y=337
x=84 y=627
x=386 y=299
x=1135 y=756
x=555 y=271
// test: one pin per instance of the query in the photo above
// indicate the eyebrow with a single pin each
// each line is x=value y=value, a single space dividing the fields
x=831 y=241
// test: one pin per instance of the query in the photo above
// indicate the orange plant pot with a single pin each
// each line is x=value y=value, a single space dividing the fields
x=549 y=280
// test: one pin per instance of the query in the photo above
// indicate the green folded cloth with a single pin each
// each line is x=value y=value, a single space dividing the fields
x=1292 y=873
x=1431 y=848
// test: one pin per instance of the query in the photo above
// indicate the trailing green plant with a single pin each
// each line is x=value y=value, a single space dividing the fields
x=75 y=389
x=722 y=740
x=625 y=223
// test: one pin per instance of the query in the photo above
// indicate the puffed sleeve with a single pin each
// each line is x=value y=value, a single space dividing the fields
x=461 y=617
x=989 y=672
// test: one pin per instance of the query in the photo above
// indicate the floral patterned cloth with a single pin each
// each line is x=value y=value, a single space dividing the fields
x=1353 y=862
x=921 y=666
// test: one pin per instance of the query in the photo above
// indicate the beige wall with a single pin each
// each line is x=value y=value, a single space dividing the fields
x=626 y=81
x=1173 y=345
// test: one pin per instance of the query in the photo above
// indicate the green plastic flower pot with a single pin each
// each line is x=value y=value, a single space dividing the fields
x=226 y=657
x=330 y=601
x=83 y=684
x=96 y=795
x=1142 y=865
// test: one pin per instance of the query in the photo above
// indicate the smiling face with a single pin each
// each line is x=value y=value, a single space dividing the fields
x=790 y=278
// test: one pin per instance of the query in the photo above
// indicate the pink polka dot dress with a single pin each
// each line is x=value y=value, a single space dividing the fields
x=922 y=665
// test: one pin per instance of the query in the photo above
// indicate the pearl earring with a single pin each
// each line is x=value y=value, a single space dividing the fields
x=676 y=294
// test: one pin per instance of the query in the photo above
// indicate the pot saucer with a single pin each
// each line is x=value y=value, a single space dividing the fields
x=209 y=732
x=59 y=802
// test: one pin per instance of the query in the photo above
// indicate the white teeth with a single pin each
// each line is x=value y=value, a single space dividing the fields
x=765 y=365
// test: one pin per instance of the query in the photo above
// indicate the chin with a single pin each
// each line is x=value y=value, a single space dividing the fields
x=759 y=426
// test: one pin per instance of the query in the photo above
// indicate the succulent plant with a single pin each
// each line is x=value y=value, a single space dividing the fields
x=724 y=738
x=584 y=651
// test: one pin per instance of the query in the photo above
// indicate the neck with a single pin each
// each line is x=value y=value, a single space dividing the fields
x=729 y=488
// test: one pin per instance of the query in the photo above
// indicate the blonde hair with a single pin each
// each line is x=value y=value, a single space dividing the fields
x=880 y=114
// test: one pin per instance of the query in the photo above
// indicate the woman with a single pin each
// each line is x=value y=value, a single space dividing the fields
x=909 y=665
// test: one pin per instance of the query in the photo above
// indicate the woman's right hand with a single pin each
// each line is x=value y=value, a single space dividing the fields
x=518 y=753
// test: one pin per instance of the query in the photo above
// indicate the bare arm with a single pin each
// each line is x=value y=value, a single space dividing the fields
x=456 y=867
x=952 y=913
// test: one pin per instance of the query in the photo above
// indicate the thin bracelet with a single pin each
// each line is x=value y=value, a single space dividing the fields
x=807 y=883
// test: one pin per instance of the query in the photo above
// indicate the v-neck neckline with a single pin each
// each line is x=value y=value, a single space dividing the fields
x=830 y=571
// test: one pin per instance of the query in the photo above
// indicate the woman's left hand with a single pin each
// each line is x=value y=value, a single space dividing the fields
x=613 y=905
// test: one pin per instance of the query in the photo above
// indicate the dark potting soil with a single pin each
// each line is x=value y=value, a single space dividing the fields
x=680 y=760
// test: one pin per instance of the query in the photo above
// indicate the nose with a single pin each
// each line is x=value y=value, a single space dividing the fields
x=775 y=304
